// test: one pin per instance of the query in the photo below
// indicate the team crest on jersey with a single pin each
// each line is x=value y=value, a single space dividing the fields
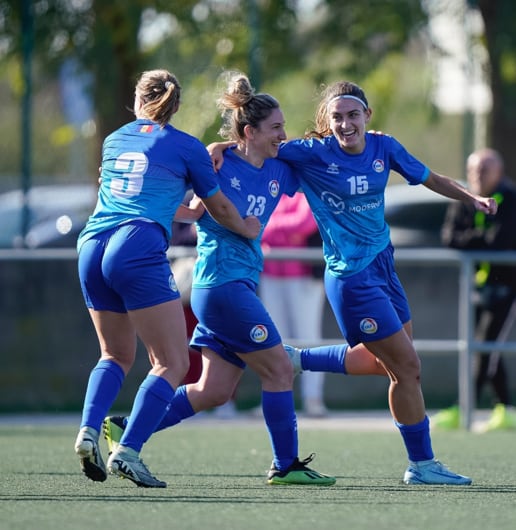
x=333 y=169
x=235 y=183
x=368 y=325
x=274 y=188
x=334 y=202
x=172 y=284
x=378 y=165
x=259 y=333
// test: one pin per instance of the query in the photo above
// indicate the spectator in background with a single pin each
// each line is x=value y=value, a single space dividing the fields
x=495 y=295
x=293 y=291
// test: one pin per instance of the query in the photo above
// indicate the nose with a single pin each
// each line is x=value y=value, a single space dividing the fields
x=344 y=123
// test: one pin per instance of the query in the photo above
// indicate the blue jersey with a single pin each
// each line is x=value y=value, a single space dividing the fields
x=146 y=171
x=346 y=194
x=224 y=256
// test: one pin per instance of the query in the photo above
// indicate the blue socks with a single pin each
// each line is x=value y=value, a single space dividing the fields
x=417 y=440
x=178 y=410
x=149 y=407
x=324 y=358
x=104 y=384
x=280 y=418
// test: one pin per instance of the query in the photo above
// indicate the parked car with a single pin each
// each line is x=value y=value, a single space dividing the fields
x=415 y=215
x=56 y=215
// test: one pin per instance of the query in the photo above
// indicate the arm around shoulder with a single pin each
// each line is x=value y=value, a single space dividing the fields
x=216 y=152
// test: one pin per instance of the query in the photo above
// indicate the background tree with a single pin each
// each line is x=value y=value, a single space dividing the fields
x=500 y=39
x=364 y=40
x=106 y=37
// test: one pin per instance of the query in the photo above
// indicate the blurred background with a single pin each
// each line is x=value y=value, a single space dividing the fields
x=440 y=76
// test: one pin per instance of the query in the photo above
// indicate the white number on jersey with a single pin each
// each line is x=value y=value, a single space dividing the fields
x=132 y=181
x=256 y=205
x=358 y=185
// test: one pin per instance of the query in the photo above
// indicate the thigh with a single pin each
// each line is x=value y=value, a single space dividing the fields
x=218 y=373
x=216 y=384
x=273 y=366
x=162 y=329
x=397 y=353
x=117 y=337
x=367 y=306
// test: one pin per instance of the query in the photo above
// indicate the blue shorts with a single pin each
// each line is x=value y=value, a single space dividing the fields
x=126 y=268
x=232 y=319
x=370 y=305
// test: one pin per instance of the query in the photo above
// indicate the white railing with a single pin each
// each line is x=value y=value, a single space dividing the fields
x=465 y=344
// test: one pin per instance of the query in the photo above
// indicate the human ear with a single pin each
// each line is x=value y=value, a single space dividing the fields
x=249 y=132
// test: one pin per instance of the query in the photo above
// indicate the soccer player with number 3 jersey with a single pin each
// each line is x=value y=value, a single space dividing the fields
x=147 y=167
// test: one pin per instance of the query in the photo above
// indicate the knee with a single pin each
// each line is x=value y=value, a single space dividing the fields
x=124 y=361
x=219 y=399
x=281 y=374
x=408 y=370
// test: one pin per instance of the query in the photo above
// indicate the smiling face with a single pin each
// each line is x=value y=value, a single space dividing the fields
x=347 y=121
x=263 y=142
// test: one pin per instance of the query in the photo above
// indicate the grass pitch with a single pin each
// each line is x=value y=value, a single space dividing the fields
x=216 y=480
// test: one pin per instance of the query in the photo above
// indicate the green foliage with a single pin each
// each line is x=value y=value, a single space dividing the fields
x=359 y=35
x=259 y=37
x=281 y=48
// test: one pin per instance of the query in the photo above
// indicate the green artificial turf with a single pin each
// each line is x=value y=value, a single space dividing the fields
x=216 y=480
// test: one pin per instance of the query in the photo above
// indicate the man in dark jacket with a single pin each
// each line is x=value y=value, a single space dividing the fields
x=466 y=229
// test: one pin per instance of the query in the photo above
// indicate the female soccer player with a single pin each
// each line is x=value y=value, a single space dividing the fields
x=234 y=328
x=343 y=171
x=147 y=166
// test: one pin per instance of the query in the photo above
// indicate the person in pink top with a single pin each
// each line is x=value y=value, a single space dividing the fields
x=293 y=291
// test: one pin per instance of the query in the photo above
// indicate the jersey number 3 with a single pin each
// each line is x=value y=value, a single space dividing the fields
x=130 y=184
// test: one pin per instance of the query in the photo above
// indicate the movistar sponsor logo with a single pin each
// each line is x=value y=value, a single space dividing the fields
x=335 y=203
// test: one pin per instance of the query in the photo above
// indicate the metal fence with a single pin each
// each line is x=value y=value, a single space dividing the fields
x=465 y=344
